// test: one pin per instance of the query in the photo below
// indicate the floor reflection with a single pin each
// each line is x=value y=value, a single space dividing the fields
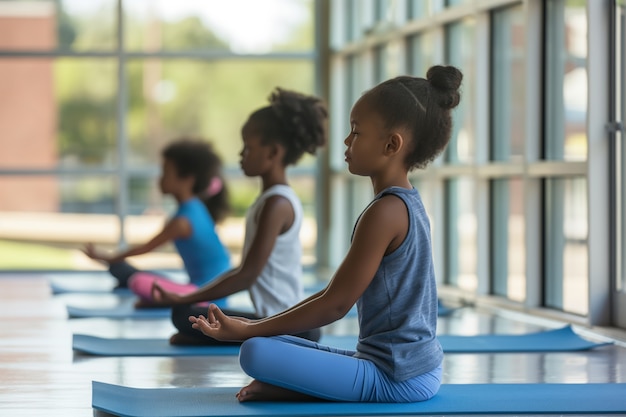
x=42 y=376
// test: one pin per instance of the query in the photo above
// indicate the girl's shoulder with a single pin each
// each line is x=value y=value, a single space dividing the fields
x=279 y=189
x=400 y=191
x=193 y=206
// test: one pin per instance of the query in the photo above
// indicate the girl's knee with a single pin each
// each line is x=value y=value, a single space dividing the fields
x=140 y=283
x=249 y=355
x=254 y=355
x=180 y=317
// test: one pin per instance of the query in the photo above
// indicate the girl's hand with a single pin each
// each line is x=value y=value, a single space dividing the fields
x=163 y=297
x=219 y=326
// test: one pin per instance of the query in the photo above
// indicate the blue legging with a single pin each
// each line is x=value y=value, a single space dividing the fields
x=328 y=373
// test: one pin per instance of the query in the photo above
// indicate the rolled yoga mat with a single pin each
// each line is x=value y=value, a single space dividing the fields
x=559 y=340
x=451 y=399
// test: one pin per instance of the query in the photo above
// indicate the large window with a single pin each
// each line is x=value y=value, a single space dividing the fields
x=513 y=200
x=91 y=92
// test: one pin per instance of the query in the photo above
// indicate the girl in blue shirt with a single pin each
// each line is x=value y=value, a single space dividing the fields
x=399 y=125
x=191 y=173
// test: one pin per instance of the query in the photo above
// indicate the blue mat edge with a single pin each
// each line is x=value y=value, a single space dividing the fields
x=603 y=399
x=74 y=312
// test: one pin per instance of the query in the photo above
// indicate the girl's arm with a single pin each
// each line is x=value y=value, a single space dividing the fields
x=176 y=228
x=380 y=231
x=276 y=217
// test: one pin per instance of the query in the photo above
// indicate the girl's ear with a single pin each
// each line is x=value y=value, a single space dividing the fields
x=395 y=142
x=277 y=151
x=274 y=149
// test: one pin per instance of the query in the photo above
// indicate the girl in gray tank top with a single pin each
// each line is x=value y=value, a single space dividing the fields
x=399 y=125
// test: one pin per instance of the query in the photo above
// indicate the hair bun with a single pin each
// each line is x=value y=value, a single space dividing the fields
x=447 y=80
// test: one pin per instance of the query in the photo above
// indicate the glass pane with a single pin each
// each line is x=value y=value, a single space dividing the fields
x=75 y=115
x=382 y=8
x=356 y=80
x=87 y=127
x=566 y=253
x=209 y=99
x=508 y=93
x=460 y=53
x=508 y=255
x=422 y=8
x=421 y=53
x=566 y=80
x=240 y=26
x=46 y=220
x=63 y=24
x=387 y=62
x=352 y=23
x=380 y=64
x=461 y=234
x=456 y=2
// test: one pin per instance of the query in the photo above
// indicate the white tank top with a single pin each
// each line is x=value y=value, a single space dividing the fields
x=279 y=286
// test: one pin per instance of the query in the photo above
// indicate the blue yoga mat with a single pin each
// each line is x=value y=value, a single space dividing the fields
x=559 y=340
x=99 y=346
x=451 y=399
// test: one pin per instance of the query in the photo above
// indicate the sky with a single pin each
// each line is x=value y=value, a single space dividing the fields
x=248 y=25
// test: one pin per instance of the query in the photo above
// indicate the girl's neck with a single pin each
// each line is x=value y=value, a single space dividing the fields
x=272 y=179
x=183 y=197
x=380 y=184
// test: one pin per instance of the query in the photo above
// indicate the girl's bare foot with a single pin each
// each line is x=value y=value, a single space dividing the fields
x=182 y=339
x=260 y=391
x=143 y=303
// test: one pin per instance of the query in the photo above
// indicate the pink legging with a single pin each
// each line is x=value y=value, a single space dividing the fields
x=140 y=283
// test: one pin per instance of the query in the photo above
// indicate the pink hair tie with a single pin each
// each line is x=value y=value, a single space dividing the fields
x=215 y=186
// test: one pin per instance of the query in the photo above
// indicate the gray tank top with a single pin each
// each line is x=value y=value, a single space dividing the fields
x=398 y=310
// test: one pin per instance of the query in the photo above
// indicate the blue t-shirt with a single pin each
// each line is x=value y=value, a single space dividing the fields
x=204 y=255
x=398 y=310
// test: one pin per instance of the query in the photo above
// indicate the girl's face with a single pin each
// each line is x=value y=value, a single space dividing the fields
x=256 y=157
x=366 y=140
x=170 y=182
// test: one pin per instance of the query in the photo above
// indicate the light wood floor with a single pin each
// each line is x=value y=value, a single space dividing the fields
x=41 y=376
